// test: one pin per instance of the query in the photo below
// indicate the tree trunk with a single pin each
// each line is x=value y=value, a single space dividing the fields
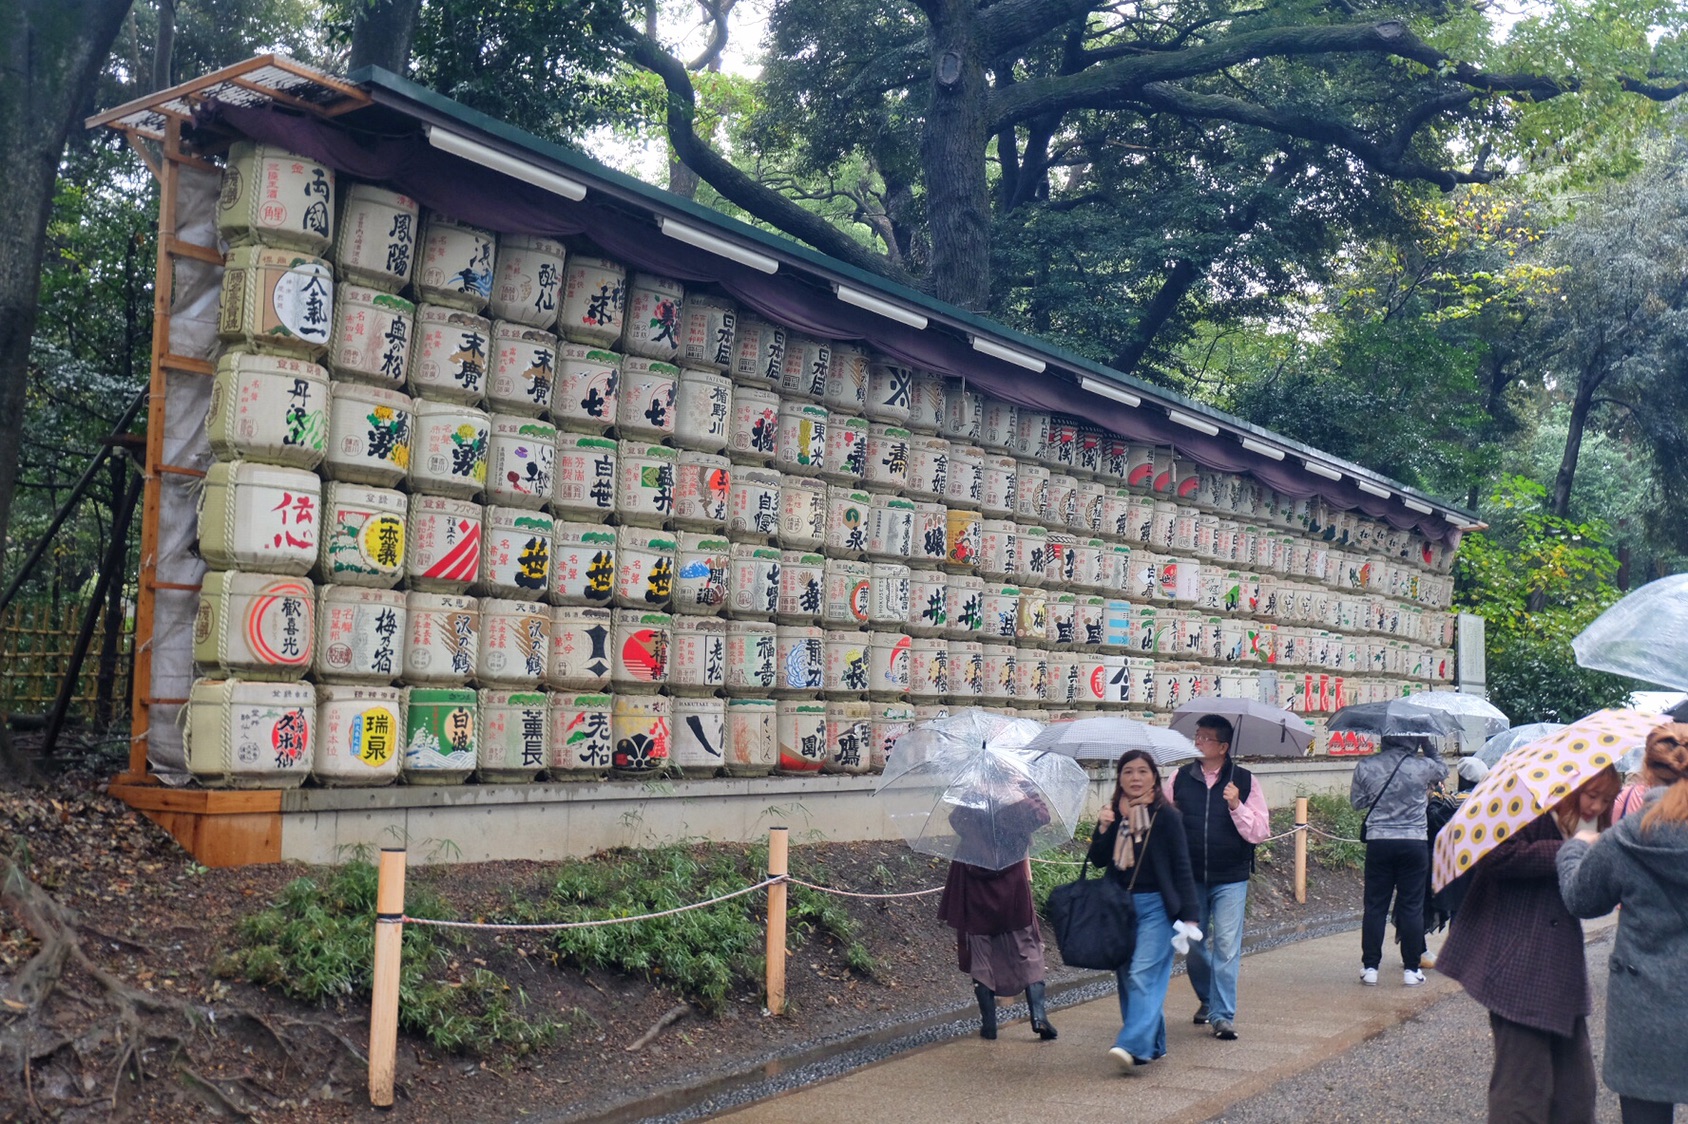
x=1559 y=503
x=952 y=152
x=382 y=34
x=164 y=45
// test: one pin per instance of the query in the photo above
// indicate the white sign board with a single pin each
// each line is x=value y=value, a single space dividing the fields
x=1473 y=668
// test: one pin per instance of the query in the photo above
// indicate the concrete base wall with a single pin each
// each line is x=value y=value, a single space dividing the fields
x=479 y=823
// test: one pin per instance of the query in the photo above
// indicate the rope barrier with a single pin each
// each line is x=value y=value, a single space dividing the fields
x=554 y=925
x=1338 y=838
x=853 y=894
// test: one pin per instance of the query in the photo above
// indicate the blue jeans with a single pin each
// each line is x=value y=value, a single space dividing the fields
x=1142 y=985
x=1214 y=960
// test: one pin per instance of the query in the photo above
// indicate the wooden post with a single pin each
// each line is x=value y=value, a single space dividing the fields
x=777 y=858
x=1301 y=849
x=384 y=998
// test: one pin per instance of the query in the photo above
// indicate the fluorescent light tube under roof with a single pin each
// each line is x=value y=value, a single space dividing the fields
x=1263 y=449
x=1372 y=489
x=720 y=247
x=1007 y=354
x=1318 y=469
x=1422 y=508
x=1189 y=421
x=1110 y=390
x=888 y=309
x=513 y=166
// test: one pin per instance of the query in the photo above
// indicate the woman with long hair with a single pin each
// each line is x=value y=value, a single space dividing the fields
x=1518 y=951
x=1642 y=865
x=1140 y=841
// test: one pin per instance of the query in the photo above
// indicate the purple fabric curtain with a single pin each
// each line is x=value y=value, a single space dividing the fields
x=473 y=194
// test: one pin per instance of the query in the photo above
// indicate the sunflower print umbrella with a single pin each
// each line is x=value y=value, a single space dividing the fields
x=1529 y=780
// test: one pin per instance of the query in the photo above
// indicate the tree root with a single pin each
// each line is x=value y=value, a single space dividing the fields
x=672 y=1015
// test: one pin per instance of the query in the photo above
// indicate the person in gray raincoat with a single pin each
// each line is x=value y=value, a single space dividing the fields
x=1642 y=865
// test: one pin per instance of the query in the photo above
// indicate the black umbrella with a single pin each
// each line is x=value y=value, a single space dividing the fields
x=1396 y=718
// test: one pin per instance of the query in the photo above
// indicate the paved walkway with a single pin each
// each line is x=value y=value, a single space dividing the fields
x=1299 y=1004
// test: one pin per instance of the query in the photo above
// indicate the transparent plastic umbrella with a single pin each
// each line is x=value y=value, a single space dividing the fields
x=964 y=730
x=1461 y=705
x=1641 y=636
x=1501 y=744
x=1106 y=736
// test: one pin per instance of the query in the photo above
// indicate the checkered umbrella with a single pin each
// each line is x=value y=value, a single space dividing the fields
x=1528 y=781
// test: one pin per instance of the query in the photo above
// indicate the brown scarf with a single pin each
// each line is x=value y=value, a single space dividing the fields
x=1134 y=824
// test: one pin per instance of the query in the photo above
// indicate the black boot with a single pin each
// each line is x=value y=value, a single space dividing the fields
x=987 y=1011
x=1040 y=1014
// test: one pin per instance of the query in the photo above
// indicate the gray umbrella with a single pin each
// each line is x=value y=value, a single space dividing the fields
x=1394 y=718
x=1258 y=729
x=1106 y=736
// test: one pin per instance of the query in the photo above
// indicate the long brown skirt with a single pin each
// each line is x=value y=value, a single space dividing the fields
x=1007 y=962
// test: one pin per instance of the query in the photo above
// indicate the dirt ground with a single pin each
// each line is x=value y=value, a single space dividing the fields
x=151 y=919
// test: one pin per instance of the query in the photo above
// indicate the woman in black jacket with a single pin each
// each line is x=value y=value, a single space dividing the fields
x=1140 y=840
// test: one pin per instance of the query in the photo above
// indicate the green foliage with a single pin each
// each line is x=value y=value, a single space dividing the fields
x=316 y=943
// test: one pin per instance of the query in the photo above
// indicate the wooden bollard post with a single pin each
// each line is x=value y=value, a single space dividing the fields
x=777 y=859
x=1301 y=849
x=384 y=998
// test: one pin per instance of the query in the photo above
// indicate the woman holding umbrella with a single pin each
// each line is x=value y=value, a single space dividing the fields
x=1140 y=840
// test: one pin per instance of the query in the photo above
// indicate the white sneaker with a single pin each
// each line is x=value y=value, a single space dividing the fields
x=1120 y=1055
x=1411 y=977
x=1368 y=976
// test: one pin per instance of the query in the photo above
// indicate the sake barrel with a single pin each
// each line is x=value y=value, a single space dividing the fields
x=642 y=728
x=758 y=353
x=360 y=634
x=1166 y=473
x=848 y=583
x=966 y=606
x=582 y=568
x=645 y=398
x=703 y=403
x=928 y=468
x=271 y=409
x=846 y=380
x=887 y=458
x=961 y=537
x=999 y=479
x=996 y=678
x=801 y=730
x=455 y=268
x=1089 y=614
x=804 y=367
x=889 y=388
x=800 y=440
x=802 y=512
x=1034 y=555
x=588 y=387
x=644 y=568
x=372 y=336
x=594 y=301
x=1031 y=675
x=1207 y=536
x=753 y=433
x=1031 y=492
x=1063 y=618
x=1089 y=500
x=449 y=453
x=585 y=479
x=441 y=640
x=580 y=649
x=579 y=729
x=644 y=487
x=926 y=402
x=654 y=314
x=1001 y=609
x=702 y=485
x=1063 y=678
x=928 y=670
x=1248 y=544
x=890 y=721
x=1119 y=624
x=1225 y=534
x=965 y=485
x=1062 y=451
x=359 y=736
x=966 y=671
x=1029 y=438
x=752 y=648
x=375 y=238
x=1116 y=504
x=847 y=516
x=699 y=736
x=753 y=505
x=888 y=664
x=997 y=554
x=845 y=667
x=801 y=587
x=849 y=738
x=890 y=531
x=276 y=197
x=1058 y=514
x=274 y=300
x=1092 y=458
x=845 y=459
x=515 y=553
x=641 y=647
x=889 y=594
x=752 y=745
x=256 y=626
x=1140 y=468
x=800 y=660
x=754 y=585
x=451 y=356
x=1086 y=573
x=515 y=642
x=241 y=734
x=964 y=415
x=524 y=369
x=513 y=738
x=527 y=279
x=929 y=608
x=697 y=658
x=929 y=544
x=521 y=461
x=707 y=326
x=370 y=434
x=703 y=566
x=260 y=517
x=441 y=734
x=1149 y=629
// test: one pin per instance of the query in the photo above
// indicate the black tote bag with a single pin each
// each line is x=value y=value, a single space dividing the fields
x=1094 y=919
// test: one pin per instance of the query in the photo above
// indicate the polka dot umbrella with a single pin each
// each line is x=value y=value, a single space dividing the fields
x=1529 y=780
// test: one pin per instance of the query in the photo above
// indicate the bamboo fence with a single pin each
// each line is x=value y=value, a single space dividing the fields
x=35 y=648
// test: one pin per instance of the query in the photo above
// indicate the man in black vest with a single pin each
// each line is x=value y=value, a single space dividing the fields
x=1225 y=815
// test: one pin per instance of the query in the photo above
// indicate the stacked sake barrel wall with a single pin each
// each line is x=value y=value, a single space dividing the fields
x=488 y=506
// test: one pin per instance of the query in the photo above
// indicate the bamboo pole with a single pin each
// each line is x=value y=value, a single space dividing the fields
x=384 y=998
x=1301 y=849
x=778 y=840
